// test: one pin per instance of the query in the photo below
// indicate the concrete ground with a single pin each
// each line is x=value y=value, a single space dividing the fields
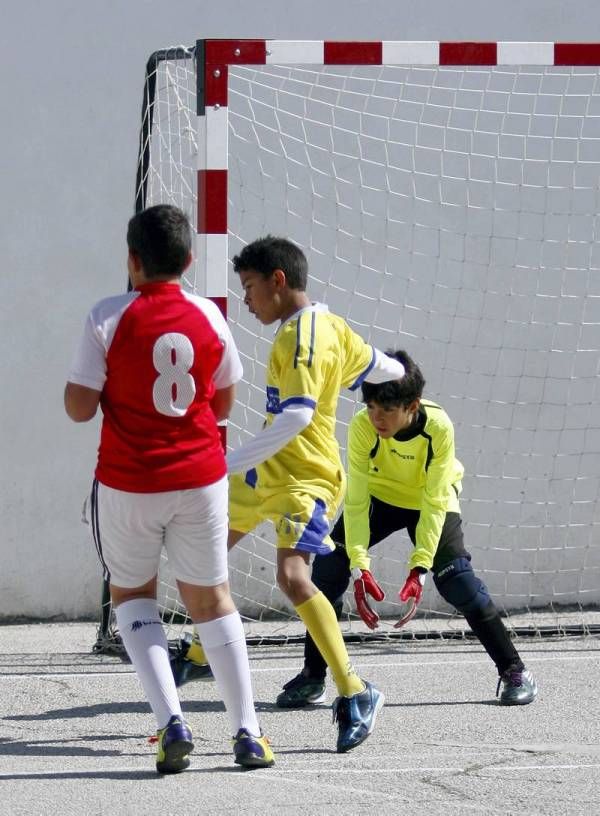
x=74 y=735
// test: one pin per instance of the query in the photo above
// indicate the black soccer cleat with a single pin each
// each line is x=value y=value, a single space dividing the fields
x=519 y=687
x=356 y=716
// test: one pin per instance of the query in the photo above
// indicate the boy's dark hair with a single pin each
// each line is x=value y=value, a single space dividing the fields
x=396 y=393
x=162 y=239
x=267 y=254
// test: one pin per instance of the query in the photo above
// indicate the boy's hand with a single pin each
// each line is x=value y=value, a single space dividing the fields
x=364 y=584
x=410 y=594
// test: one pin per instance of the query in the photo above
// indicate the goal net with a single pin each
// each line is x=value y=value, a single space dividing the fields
x=451 y=210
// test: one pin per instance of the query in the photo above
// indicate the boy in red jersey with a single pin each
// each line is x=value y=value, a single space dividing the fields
x=162 y=366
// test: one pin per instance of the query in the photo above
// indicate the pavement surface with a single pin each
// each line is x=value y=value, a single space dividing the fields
x=74 y=735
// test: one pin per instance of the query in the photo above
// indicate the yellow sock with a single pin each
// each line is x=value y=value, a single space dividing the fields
x=195 y=653
x=318 y=616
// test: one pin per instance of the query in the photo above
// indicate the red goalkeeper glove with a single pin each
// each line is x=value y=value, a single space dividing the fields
x=364 y=584
x=410 y=594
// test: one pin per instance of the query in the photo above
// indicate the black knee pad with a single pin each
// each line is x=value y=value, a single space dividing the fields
x=459 y=586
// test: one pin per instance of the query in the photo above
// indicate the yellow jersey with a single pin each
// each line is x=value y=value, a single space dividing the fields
x=416 y=469
x=314 y=354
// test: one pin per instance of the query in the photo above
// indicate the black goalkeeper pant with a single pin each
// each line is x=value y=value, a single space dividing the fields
x=452 y=574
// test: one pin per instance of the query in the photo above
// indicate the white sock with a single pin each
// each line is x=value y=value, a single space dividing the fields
x=224 y=642
x=144 y=638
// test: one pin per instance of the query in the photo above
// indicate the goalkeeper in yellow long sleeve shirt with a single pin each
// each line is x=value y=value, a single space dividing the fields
x=403 y=475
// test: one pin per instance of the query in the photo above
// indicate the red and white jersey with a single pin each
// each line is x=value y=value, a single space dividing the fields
x=157 y=354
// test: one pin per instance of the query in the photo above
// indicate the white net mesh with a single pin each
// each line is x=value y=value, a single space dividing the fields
x=451 y=212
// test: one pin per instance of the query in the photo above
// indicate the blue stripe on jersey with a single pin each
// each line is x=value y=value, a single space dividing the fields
x=298 y=401
x=312 y=338
x=251 y=477
x=365 y=373
x=297 y=354
x=315 y=531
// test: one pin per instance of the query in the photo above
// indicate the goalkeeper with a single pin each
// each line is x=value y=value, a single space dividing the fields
x=403 y=474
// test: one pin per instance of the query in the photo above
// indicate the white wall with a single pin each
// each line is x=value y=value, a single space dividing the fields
x=71 y=83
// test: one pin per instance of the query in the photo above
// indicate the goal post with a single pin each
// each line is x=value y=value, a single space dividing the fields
x=447 y=197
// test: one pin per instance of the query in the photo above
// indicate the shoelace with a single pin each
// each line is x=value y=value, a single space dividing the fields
x=341 y=711
x=512 y=678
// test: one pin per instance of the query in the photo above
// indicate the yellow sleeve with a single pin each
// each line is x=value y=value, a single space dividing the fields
x=440 y=475
x=358 y=499
x=358 y=358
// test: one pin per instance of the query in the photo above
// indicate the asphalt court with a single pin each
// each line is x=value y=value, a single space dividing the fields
x=74 y=734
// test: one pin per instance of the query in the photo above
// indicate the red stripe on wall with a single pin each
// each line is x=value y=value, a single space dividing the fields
x=577 y=53
x=468 y=53
x=240 y=52
x=353 y=53
x=212 y=201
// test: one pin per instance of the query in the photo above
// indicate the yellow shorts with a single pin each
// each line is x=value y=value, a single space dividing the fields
x=302 y=522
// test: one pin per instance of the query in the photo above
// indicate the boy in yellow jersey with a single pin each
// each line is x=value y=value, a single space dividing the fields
x=403 y=474
x=291 y=473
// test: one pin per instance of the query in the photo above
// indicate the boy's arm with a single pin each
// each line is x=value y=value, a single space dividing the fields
x=358 y=499
x=438 y=484
x=356 y=523
x=81 y=402
x=87 y=376
x=437 y=488
x=230 y=370
x=222 y=402
x=363 y=362
x=286 y=425
x=384 y=368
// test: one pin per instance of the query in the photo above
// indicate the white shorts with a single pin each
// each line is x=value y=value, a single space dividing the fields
x=130 y=530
